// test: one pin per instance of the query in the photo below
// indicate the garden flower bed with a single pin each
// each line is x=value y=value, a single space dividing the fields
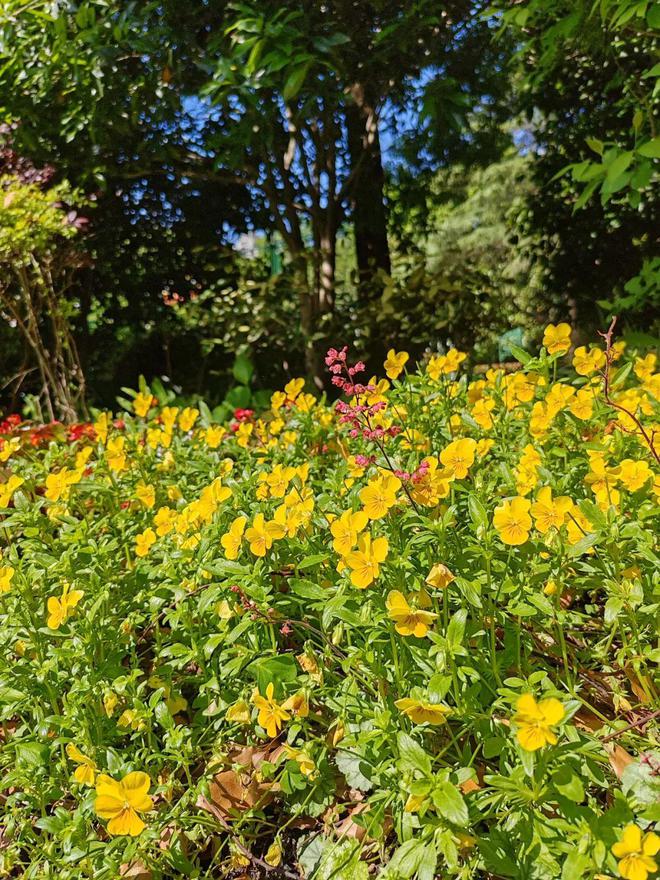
x=410 y=634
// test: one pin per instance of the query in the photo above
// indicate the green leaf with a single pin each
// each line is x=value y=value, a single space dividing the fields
x=456 y=629
x=311 y=561
x=449 y=802
x=354 y=767
x=478 y=513
x=575 y=866
x=411 y=755
x=407 y=858
x=279 y=669
x=596 y=145
x=520 y=354
x=569 y=785
x=295 y=81
x=651 y=149
x=32 y=754
x=616 y=168
x=309 y=590
x=243 y=369
x=613 y=608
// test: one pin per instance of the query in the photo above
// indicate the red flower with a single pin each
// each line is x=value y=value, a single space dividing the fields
x=82 y=429
x=12 y=421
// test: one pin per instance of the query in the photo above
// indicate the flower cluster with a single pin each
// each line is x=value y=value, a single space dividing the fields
x=416 y=627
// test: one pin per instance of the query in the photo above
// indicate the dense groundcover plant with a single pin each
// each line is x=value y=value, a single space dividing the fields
x=412 y=634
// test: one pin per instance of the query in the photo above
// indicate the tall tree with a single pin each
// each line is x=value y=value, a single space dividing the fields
x=286 y=100
x=590 y=91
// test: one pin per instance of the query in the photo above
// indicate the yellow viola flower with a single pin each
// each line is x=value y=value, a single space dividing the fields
x=278 y=480
x=602 y=478
x=586 y=362
x=309 y=664
x=213 y=436
x=164 y=521
x=423 y=711
x=557 y=338
x=484 y=446
x=86 y=770
x=305 y=763
x=59 y=609
x=115 y=454
x=101 y=427
x=168 y=417
x=233 y=538
x=414 y=803
x=559 y=397
x=8 y=448
x=297 y=704
x=635 y=852
x=434 y=485
x=261 y=534
x=8 y=488
x=458 y=457
x=273 y=855
x=277 y=400
x=187 y=418
x=435 y=366
x=110 y=700
x=144 y=541
x=143 y=403
x=549 y=512
x=244 y=433
x=120 y=802
x=306 y=402
x=395 y=362
x=440 y=576
x=366 y=560
x=238 y=713
x=453 y=359
x=345 y=530
x=481 y=412
x=82 y=457
x=534 y=721
x=130 y=718
x=271 y=714
x=540 y=419
x=59 y=485
x=145 y=493
x=6 y=574
x=582 y=406
x=293 y=388
x=512 y=521
x=380 y=495
x=633 y=474
x=644 y=367
x=408 y=621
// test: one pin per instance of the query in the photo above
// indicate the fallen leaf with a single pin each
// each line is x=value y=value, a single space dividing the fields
x=135 y=870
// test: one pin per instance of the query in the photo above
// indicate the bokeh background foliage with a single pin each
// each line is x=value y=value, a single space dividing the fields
x=260 y=178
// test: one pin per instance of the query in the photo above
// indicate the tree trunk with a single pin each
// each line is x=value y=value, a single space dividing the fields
x=369 y=213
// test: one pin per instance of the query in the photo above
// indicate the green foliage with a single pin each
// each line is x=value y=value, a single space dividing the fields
x=32 y=221
x=589 y=85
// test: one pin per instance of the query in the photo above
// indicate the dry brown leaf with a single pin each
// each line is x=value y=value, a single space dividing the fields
x=203 y=803
x=135 y=870
x=239 y=787
x=637 y=682
x=348 y=827
x=618 y=757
